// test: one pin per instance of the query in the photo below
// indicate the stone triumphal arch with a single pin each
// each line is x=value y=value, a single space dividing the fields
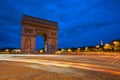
x=31 y=27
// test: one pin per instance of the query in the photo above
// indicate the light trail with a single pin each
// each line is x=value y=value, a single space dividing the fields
x=114 y=60
x=66 y=64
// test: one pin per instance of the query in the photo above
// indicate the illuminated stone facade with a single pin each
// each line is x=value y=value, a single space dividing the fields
x=31 y=27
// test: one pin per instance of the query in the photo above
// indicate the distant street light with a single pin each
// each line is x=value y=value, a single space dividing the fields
x=69 y=50
x=97 y=47
x=6 y=50
x=62 y=50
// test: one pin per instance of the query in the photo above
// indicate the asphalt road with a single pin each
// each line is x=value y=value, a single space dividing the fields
x=91 y=67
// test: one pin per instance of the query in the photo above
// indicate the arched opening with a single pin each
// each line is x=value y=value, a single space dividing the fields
x=41 y=41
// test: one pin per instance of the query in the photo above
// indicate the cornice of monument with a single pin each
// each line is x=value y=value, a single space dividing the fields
x=39 y=20
x=25 y=22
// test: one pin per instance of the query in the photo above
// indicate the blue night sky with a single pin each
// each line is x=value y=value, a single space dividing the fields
x=81 y=22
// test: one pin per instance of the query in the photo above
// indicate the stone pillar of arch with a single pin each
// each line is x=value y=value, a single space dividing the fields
x=31 y=27
x=51 y=43
x=28 y=44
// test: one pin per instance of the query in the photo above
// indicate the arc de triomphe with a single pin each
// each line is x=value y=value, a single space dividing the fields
x=31 y=27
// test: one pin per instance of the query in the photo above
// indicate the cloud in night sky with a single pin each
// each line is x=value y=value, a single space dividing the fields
x=81 y=22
